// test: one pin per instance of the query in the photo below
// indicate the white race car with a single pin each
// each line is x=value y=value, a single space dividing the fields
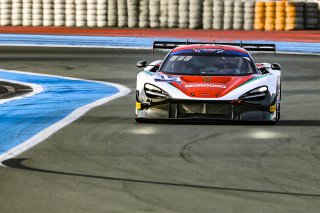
x=209 y=81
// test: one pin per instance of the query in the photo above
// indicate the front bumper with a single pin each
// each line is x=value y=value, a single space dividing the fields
x=215 y=110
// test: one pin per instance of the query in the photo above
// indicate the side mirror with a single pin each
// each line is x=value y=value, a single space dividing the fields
x=142 y=64
x=275 y=66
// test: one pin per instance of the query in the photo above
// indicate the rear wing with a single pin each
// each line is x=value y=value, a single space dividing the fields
x=251 y=47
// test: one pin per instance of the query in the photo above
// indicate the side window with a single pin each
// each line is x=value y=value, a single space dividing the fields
x=246 y=66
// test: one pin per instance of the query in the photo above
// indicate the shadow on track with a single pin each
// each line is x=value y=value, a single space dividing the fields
x=298 y=123
x=17 y=164
x=113 y=119
x=92 y=119
x=239 y=123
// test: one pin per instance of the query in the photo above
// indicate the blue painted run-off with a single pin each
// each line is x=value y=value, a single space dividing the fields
x=130 y=42
x=23 y=118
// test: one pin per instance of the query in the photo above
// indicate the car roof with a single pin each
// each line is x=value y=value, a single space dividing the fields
x=210 y=47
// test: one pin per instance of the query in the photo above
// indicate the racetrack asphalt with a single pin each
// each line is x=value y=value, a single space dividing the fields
x=105 y=162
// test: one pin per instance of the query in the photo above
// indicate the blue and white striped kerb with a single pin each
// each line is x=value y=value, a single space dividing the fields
x=129 y=42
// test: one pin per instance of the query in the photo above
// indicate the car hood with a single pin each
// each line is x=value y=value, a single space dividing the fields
x=209 y=86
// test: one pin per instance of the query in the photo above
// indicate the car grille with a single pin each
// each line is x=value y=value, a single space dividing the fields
x=204 y=110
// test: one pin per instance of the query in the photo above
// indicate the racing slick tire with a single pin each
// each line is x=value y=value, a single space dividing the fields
x=144 y=120
x=278 y=104
x=278 y=112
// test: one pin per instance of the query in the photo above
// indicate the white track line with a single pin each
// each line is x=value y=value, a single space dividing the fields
x=46 y=133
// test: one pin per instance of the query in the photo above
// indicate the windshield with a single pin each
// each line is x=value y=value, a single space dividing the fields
x=208 y=65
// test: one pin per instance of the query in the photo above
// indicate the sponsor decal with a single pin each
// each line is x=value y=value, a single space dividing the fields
x=207 y=50
x=273 y=108
x=138 y=105
x=207 y=79
x=205 y=85
x=180 y=58
x=165 y=78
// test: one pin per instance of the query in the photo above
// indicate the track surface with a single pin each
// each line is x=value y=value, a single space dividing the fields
x=105 y=162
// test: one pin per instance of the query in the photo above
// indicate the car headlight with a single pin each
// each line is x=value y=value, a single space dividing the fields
x=155 y=92
x=257 y=93
x=259 y=90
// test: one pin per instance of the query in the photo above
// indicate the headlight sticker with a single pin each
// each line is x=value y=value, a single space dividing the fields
x=165 y=78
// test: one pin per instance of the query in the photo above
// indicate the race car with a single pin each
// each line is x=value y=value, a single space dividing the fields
x=218 y=81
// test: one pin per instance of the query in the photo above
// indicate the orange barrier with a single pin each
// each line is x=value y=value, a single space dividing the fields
x=280 y=22
x=260 y=17
x=270 y=15
x=294 y=16
x=286 y=15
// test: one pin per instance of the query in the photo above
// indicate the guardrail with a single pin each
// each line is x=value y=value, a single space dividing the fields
x=192 y=14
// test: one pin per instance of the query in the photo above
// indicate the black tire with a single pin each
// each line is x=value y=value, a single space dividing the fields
x=139 y=120
x=137 y=95
x=278 y=111
x=145 y=120
x=278 y=107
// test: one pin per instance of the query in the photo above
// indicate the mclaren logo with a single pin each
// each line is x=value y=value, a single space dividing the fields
x=206 y=79
x=205 y=85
